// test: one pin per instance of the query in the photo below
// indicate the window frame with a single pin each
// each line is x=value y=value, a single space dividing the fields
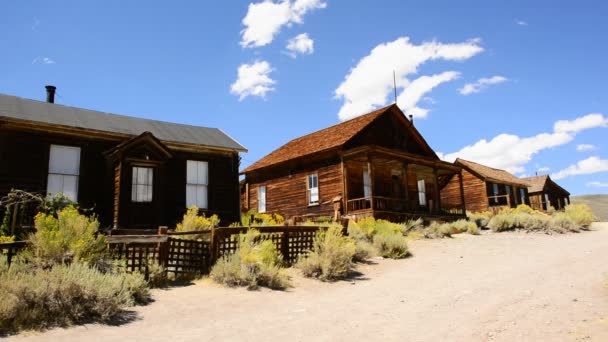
x=522 y=193
x=309 y=189
x=367 y=186
x=149 y=196
x=422 y=200
x=495 y=192
x=203 y=185
x=63 y=175
x=262 y=204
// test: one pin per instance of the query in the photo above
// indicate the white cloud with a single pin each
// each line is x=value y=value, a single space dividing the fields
x=264 y=20
x=585 y=147
x=43 y=60
x=543 y=169
x=481 y=84
x=253 y=80
x=511 y=152
x=300 y=44
x=416 y=90
x=579 y=124
x=368 y=85
x=583 y=167
x=598 y=184
x=521 y=22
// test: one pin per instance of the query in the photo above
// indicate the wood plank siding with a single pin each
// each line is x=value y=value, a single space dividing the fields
x=475 y=197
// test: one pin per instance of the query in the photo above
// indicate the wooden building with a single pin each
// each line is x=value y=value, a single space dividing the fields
x=485 y=188
x=135 y=173
x=544 y=191
x=377 y=165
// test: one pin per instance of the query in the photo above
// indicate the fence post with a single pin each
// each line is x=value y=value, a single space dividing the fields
x=212 y=246
x=285 y=245
x=163 y=247
x=14 y=220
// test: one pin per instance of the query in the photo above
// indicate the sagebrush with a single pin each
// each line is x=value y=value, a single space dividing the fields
x=193 y=222
x=331 y=257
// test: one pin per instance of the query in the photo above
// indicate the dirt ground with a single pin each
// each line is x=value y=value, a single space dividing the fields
x=493 y=287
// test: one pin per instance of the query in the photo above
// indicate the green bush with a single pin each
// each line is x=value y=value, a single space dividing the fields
x=391 y=245
x=252 y=218
x=331 y=257
x=563 y=222
x=364 y=250
x=255 y=263
x=68 y=237
x=437 y=231
x=581 y=214
x=33 y=298
x=502 y=222
x=481 y=218
x=193 y=222
x=411 y=226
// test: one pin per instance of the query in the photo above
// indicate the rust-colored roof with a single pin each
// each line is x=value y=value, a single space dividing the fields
x=491 y=174
x=537 y=183
x=323 y=140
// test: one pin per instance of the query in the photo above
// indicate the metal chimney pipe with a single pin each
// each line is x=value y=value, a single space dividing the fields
x=411 y=118
x=50 y=93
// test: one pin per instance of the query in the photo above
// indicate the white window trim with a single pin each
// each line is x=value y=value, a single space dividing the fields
x=309 y=189
x=262 y=198
x=198 y=184
x=52 y=173
x=367 y=189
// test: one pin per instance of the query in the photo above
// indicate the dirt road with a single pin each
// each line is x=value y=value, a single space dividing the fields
x=494 y=287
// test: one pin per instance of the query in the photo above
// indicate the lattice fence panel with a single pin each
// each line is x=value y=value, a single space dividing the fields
x=189 y=257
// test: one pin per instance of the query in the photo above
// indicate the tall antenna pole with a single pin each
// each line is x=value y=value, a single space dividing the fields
x=395 y=86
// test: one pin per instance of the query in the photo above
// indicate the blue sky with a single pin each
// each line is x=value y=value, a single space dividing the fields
x=515 y=84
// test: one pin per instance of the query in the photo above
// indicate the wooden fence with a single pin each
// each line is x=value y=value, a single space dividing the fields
x=185 y=256
x=10 y=249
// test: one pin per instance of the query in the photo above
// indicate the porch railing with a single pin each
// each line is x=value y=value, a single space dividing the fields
x=396 y=205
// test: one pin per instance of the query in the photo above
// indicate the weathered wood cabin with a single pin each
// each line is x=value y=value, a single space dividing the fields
x=545 y=193
x=377 y=165
x=135 y=173
x=485 y=188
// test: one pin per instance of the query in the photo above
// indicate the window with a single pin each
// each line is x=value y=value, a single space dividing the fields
x=64 y=170
x=262 y=199
x=495 y=190
x=197 y=180
x=547 y=202
x=313 y=189
x=522 y=194
x=515 y=195
x=367 y=189
x=141 y=186
x=421 y=192
x=566 y=201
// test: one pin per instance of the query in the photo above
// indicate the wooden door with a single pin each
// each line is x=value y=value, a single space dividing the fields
x=143 y=194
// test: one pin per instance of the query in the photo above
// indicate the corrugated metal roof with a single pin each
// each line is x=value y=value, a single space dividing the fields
x=37 y=111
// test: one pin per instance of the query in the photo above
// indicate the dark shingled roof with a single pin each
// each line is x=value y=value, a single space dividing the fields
x=49 y=113
x=537 y=183
x=491 y=174
x=323 y=140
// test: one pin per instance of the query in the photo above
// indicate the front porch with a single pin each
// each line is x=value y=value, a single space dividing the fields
x=397 y=186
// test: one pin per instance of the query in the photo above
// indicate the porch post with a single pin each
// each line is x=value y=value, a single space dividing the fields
x=462 y=201
x=370 y=170
x=437 y=195
x=344 y=185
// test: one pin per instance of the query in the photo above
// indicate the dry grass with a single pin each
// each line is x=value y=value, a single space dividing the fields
x=597 y=203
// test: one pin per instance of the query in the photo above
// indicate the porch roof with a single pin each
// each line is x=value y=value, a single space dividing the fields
x=490 y=173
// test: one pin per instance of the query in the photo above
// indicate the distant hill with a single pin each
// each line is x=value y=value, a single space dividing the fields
x=598 y=203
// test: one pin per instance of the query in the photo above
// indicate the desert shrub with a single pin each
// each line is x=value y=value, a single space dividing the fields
x=533 y=222
x=391 y=245
x=437 y=231
x=524 y=209
x=69 y=236
x=255 y=263
x=331 y=257
x=364 y=250
x=157 y=274
x=252 y=218
x=473 y=229
x=581 y=214
x=462 y=226
x=563 y=222
x=65 y=294
x=4 y=239
x=411 y=226
x=502 y=222
x=193 y=222
x=481 y=218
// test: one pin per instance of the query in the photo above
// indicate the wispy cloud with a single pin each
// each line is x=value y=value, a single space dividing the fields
x=481 y=84
x=35 y=24
x=367 y=86
x=264 y=20
x=598 y=184
x=511 y=152
x=253 y=80
x=585 y=147
x=43 y=60
x=583 y=167
x=301 y=44
x=414 y=91
x=521 y=22
x=543 y=169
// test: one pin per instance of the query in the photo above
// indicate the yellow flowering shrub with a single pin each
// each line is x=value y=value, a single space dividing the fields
x=193 y=222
